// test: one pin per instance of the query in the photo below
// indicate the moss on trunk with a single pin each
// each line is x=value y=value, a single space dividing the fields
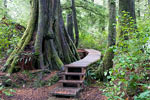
x=109 y=55
x=45 y=37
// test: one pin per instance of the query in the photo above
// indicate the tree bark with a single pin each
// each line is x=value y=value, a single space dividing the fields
x=45 y=43
x=70 y=26
x=148 y=4
x=75 y=23
x=5 y=5
x=104 y=25
x=138 y=11
x=109 y=55
x=126 y=6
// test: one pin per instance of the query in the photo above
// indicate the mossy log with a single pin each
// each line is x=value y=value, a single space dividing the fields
x=45 y=37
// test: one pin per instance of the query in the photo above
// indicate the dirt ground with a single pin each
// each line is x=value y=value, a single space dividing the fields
x=89 y=93
x=26 y=91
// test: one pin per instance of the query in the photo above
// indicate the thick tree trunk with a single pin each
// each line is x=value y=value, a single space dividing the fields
x=45 y=43
x=70 y=26
x=126 y=6
x=109 y=55
x=75 y=23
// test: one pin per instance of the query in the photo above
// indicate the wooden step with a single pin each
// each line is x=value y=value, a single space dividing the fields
x=63 y=91
x=71 y=73
x=74 y=74
x=71 y=81
x=75 y=70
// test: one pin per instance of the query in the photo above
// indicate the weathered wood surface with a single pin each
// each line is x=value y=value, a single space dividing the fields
x=66 y=91
x=71 y=81
x=93 y=56
x=69 y=90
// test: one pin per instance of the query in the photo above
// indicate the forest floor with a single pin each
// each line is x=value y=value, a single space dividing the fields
x=90 y=93
x=29 y=85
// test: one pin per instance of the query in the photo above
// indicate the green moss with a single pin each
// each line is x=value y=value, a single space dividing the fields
x=24 y=40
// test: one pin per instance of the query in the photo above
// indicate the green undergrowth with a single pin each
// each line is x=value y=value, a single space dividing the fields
x=38 y=78
x=5 y=82
x=91 y=77
x=130 y=77
x=27 y=79
x=10 y=33
x=96 y=41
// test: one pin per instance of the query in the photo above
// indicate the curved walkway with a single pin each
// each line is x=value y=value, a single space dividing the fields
x=73 y=77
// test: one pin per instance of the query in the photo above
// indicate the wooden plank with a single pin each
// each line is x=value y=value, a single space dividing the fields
x=71 y=73
x=71 y=81
x=93 y=56
x=61 y=91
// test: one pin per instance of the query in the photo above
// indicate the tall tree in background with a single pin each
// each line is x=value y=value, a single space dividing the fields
x=5 y=3
x=5 y=6
x=70 y=26
x=109 y=55
x=148 y=4
x=45 y=43
x=138 y=11
x=104 y=5
x=126 y=6
x=75 y=23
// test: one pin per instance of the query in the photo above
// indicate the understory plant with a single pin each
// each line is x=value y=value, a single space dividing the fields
x=10 y=33
x=130 y=75
x=96 y=41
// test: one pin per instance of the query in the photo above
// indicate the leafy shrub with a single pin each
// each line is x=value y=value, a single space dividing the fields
x=10 y=34
x=143 y=96
x=91 y=74
x=131 y=64
x=53 y=80
x=6 y=91
x=95 y=41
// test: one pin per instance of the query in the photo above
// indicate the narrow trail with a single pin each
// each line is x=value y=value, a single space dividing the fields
x=72 y=78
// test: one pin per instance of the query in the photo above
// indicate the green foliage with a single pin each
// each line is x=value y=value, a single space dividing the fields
x=10 y=35
x=131 y=63
x=90 y=73
x=143 y=96
x=2 y=9
x=91 y=22
x=19 y=10
x=96 y=41
x=6 y=91
x=53 y=80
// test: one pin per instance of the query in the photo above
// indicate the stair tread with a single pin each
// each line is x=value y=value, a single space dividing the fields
x=63 y=91
x=71 y=81
x=72 y=73
x=68 y=87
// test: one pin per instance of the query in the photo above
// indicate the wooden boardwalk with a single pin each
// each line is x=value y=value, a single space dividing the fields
x=73 y=78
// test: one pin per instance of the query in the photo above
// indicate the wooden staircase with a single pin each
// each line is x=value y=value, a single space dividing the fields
x=73 y=77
